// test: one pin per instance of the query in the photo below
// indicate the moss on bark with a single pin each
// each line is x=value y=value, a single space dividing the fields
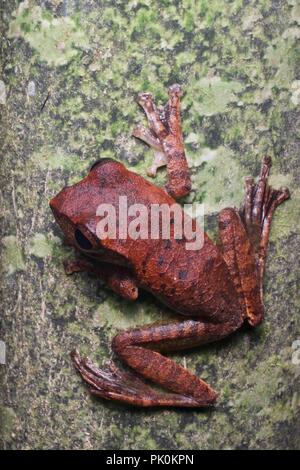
x=70 y=73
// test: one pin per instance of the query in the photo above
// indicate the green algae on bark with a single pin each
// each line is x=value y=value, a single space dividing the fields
x=56 y=40
x=12 y=255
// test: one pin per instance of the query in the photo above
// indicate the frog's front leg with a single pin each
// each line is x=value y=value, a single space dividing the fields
x=165 y=137
x=160 y=158
x=141 y=350
x=117 y=278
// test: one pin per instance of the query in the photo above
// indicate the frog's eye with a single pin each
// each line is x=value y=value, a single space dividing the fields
x=81 y=240
x=101 y=162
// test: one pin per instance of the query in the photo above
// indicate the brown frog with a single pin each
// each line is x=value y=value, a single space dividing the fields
x=213 y=289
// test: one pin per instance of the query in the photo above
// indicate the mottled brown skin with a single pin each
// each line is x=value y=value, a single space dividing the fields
x=214 y=289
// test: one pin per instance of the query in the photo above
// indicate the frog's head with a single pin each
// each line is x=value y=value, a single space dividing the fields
x=75 y=207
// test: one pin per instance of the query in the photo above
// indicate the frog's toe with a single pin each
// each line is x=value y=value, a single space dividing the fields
x=145 y=99
x=175 y=90
x=104 y=382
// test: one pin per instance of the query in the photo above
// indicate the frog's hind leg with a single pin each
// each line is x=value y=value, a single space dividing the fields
x=165 y=137
x=141 y=350
x=244 y=239
x=124 y=387
x=239 y=257
x=260 y=203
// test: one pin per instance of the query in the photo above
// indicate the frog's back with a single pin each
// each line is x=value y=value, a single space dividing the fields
x=193 y=282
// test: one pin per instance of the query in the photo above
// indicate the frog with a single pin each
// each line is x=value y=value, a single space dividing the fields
x=213 y=290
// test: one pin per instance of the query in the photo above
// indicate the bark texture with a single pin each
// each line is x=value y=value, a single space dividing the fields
x=70 y=75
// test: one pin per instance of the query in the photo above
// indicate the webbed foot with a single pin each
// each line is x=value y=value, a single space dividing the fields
x=260 y=203
x=125 y=387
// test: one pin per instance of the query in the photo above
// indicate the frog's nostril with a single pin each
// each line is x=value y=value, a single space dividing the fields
x=101 y=161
